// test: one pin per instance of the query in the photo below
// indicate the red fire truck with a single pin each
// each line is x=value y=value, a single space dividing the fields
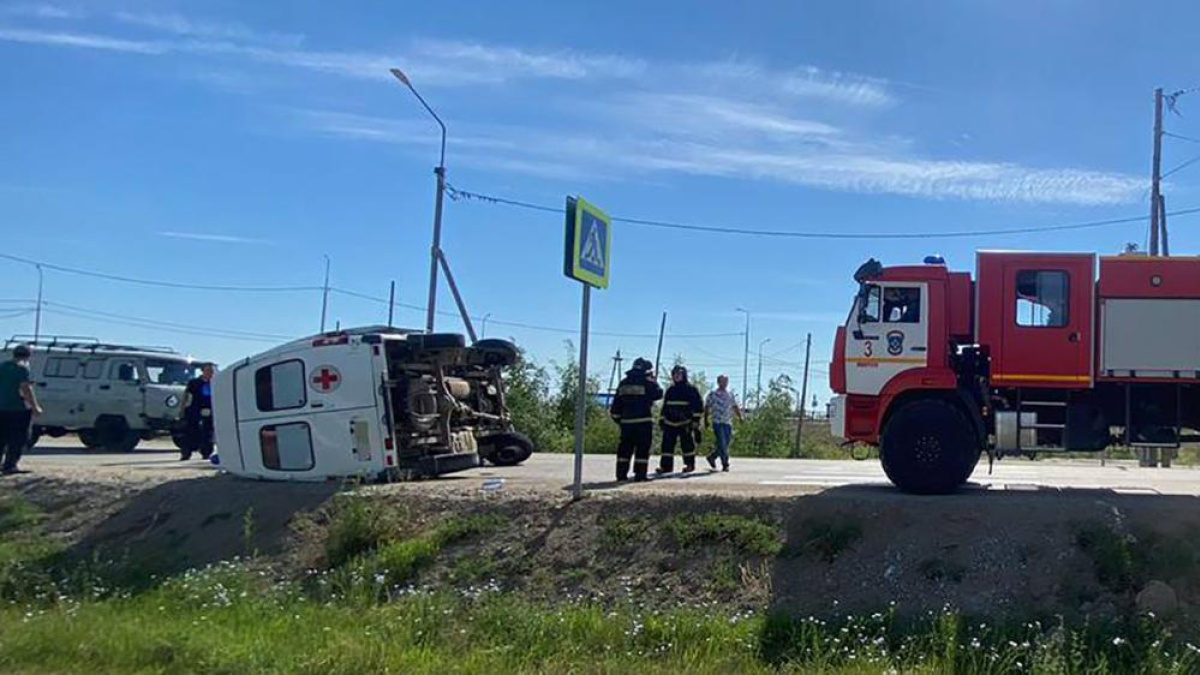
x=1041 y=352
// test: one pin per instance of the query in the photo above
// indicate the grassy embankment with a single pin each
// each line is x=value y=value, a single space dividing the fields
x=360 y=612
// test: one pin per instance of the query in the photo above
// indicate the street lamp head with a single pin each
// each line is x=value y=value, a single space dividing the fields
x=399 y=75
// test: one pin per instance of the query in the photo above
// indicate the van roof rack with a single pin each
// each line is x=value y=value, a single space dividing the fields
x=72 y=343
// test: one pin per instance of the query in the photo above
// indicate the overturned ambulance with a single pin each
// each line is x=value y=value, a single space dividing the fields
x=372 y=402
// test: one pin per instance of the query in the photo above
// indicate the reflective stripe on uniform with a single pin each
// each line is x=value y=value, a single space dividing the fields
x=641 y=462
x=683 y=423
x=678 y=403
x=638 y=420
x=631 y=390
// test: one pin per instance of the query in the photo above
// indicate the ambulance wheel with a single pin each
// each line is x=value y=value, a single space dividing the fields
x=508 y=449
x=90 y=438
x=928 y=447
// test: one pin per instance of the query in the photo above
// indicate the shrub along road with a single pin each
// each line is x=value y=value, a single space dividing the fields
x=157 y=461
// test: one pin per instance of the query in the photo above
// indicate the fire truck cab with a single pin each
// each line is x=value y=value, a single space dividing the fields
x=1041 y=352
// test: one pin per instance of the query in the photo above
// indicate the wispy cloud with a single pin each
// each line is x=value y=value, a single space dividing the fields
x=214 y=238
x=37 y=10
x=729 y=118
x=177 y=24
x=80 y=40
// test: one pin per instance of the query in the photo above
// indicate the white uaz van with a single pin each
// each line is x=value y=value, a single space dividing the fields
x=113 y=396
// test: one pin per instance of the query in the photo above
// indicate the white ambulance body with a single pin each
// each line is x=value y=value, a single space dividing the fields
x=371 y=402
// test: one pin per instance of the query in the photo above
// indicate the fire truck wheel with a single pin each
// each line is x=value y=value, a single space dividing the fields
x=928 y=447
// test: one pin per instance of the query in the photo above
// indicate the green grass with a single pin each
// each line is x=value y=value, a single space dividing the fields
x=1124 y=562
x=231 y=620
x=747 y=535
x=623 y=533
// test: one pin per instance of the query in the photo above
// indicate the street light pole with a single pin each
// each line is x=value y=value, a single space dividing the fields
x=758 y=387
x=745 y=356
x=440 y=171
x=325 y=293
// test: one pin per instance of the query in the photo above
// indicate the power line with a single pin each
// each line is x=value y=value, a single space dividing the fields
x=1181 y=137
x=1181 y=167
x=531 y=326
x=463 y=195
x=170 y=324
x=155 y=325
x=155 y=282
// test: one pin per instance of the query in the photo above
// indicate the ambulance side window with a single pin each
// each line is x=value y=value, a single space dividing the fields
x=1043 y=298
x=280 y=386
x=287 y=447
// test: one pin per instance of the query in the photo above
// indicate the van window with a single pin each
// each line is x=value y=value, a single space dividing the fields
x=286 y=447
x=123 y=371
x=92 y=370
x=59 y=366
x=170 y=372
x=280 y=386
x=1043 y=298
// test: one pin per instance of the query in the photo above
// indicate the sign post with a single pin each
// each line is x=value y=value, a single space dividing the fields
x=587 y=259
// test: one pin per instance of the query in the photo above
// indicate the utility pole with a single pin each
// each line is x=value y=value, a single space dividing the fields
x=803 y=394
x=1162 y=219
x=662 y=329
x=391 y=304
x=325 y=294
x=612 y=377
x=745 y=356
x=37 y=312
x=1156 y=202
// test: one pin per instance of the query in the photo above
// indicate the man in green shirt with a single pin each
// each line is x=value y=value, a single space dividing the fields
x=18 y=404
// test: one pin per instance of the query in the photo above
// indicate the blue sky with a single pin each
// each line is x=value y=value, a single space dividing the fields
x=237 y=143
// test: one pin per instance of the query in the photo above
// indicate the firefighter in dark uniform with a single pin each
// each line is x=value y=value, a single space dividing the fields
x=633 y=409
x=682 y=411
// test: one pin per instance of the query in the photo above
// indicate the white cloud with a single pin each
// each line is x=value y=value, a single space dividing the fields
x=80 y=40
x=731 y=118
x=178 y=24
x=35 y=10
x=214 y=238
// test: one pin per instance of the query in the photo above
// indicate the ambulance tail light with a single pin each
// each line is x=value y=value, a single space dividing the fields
x=331 y=341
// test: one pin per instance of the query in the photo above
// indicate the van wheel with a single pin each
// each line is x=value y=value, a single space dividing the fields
x=928 y=447
x=116 y=436
x=508 y=449
x=90 y=438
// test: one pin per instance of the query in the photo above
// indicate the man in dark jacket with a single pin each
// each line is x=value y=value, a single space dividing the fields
x=682 y=411
x=633 y=409
x=197 y=414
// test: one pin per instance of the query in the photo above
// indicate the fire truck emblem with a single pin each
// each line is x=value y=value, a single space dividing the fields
x=895 y=343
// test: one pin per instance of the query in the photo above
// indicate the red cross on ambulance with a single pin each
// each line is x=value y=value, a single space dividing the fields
x=325 y=379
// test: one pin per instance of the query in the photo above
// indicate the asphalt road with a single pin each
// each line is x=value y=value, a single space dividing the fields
x=158 y=460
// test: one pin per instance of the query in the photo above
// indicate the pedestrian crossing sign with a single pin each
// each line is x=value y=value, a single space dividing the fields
x=588 y=243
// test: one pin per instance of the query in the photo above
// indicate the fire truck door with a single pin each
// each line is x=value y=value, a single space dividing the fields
x=888 y=336
x=1048 y=312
